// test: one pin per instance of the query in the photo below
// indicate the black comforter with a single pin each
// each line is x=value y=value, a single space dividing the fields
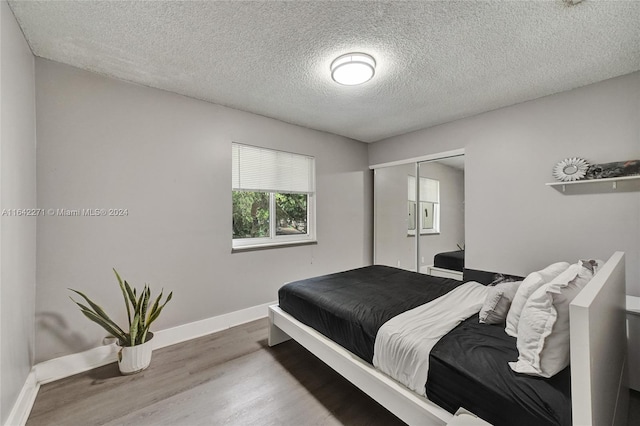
x=453 y=260
x=349 y=307
x=469 y=368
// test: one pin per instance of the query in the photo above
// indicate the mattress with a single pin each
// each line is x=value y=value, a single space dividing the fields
x=453 y=260
x=468 y=368
x=349 y=307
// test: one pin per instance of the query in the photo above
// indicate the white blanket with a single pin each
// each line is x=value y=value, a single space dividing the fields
x=404 y=342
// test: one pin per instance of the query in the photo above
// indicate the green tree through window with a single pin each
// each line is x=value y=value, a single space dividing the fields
x=250 y=214
x=291 y=214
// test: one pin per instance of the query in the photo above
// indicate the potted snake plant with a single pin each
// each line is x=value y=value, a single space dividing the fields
x=135 y=340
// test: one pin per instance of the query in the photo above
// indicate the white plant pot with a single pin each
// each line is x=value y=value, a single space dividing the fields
x=133 y=359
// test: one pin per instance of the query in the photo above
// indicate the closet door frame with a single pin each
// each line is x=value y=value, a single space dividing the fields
x=416 y=161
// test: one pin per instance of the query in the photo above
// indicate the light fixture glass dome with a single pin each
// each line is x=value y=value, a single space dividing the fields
x=353 y=68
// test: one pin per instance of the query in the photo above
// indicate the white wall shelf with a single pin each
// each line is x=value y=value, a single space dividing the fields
x=611 y=183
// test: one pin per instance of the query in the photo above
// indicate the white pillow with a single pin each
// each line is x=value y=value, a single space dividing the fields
x=497 y=303
x=534 y=281
x=543 y=330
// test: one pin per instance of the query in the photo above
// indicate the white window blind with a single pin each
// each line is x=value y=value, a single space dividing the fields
x=429 y=190
x=267 y=170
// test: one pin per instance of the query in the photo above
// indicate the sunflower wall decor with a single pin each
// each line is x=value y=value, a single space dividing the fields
x=570 y=169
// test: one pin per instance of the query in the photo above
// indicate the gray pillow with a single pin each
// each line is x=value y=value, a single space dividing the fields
x=497 y=303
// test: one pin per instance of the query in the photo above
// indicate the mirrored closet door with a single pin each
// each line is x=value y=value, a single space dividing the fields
x=416 y=219
x=393 y=217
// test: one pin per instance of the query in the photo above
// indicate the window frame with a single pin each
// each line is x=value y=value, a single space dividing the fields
x=415 y=207
x=274 y=240
x=280 y=240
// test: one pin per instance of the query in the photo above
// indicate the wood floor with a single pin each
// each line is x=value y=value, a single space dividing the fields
x=227 y=378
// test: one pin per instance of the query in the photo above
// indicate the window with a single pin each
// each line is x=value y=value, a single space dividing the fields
x=273 y=197
x=428 y=211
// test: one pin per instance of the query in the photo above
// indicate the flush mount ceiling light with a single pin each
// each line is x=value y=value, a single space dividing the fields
x=353 y=68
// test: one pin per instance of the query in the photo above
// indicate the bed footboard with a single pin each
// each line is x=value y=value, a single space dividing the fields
x=599 y=394
x=406 y=405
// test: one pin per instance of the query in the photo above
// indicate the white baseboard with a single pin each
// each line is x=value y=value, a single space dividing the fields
x=196 y=329
x=68 y=365
x=22 y=408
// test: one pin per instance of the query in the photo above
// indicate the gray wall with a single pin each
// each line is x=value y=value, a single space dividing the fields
x=392 y=245
x=514 y=223
x=166 y=158
x=18 y=191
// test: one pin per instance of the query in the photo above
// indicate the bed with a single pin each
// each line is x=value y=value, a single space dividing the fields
x=448 y=264
x=452 y=260
x=598 y=339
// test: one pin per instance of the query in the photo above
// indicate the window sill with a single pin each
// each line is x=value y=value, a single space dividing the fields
x=268 y=246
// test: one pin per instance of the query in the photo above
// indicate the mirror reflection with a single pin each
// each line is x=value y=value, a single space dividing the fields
x=421 y=221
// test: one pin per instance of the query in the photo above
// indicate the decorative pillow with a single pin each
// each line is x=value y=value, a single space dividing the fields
x=543 y=330
x=504 y=278
x=534 y=281
x=497 y=303
x=488 y=278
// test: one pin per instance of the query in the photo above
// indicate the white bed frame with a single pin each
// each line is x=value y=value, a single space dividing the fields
x=598 y=357
x=444 y=273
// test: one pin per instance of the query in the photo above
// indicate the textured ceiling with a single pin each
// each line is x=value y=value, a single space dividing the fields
x=437 y=60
